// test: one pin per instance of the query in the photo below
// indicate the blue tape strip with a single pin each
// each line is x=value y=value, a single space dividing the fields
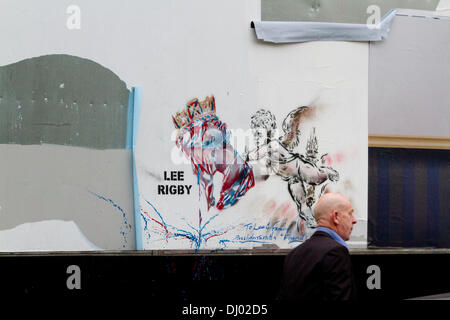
x=292 y=31
x=129 y=137
x=135 y=99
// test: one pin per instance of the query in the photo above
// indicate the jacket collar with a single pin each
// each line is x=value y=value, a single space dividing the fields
x=332 y=234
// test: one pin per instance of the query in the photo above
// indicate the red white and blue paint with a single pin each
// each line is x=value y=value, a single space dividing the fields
x=204 y=140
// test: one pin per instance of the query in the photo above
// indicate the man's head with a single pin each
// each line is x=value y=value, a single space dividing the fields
x=335 y=211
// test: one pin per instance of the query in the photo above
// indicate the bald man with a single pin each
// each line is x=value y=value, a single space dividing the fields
x=320 y=268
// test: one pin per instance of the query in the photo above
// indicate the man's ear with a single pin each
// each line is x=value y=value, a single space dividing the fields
x=334 y=216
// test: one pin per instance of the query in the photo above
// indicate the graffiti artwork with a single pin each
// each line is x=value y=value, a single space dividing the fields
x=204 y=140
x=301 y=172
x=224 y=194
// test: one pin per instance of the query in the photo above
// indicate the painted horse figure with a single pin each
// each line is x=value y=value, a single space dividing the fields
x=204 y=139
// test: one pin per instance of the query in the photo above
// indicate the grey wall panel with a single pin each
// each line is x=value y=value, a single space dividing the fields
x=62 y=99
x=409 y=78
x=93 y=188
x=63 y=130
x=349 y=11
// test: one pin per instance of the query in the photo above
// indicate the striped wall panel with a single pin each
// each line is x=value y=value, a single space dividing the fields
x=408 y=198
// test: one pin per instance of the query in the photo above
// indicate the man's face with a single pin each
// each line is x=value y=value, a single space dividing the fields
x=346 y=222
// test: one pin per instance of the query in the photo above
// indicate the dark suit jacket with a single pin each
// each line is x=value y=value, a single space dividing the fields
x=319 y=269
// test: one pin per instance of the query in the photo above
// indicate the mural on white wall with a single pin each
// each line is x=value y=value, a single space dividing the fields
x=235 y=186
x=240 y=188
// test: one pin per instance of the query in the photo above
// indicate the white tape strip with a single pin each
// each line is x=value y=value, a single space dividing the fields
x=285 y=32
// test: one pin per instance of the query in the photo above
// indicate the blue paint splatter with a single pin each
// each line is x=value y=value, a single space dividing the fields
x=198 y=236
x=126 y=227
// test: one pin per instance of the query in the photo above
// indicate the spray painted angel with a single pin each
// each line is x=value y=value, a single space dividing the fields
x=300 y=172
